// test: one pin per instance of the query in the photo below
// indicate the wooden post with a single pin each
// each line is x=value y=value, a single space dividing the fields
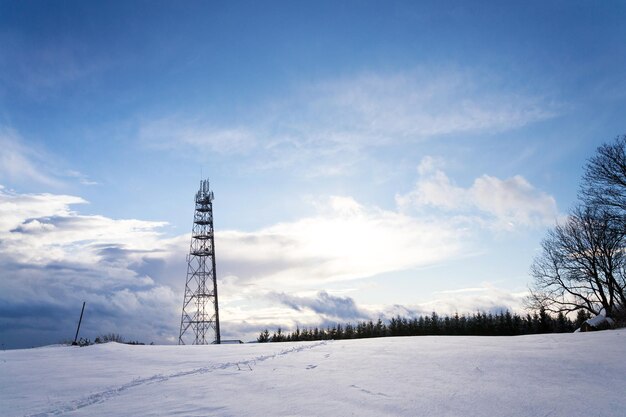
x=79 y=321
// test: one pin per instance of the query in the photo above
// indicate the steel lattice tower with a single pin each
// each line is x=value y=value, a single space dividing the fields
x=200 y=311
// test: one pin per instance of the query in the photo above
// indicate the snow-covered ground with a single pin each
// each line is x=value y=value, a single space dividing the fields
x=582 y=374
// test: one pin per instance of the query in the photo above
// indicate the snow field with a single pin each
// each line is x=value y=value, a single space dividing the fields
x=582 y=374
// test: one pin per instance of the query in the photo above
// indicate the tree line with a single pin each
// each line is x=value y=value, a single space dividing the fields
x=477 y=324
x=103 y=338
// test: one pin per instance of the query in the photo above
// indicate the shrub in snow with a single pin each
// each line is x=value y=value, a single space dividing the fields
x=110 y=337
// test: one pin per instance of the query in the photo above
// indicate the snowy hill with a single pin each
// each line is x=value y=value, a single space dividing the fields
x=569 y=375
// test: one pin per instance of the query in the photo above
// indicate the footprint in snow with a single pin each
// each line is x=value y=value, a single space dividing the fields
x=380 y=394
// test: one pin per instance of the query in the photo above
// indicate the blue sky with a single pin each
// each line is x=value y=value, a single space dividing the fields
x=367 y=158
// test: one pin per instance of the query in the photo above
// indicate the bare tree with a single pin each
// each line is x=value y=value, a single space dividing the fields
x=604 y=181
x=582 y=265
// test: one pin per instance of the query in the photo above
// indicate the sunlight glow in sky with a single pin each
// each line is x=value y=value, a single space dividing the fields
x=367 y=158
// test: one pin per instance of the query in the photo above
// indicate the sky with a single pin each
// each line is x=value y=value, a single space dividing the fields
x=368 y=158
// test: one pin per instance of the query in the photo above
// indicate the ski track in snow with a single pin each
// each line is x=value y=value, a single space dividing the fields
x=105 y=395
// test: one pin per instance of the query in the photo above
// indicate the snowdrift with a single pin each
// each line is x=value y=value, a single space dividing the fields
x=571 y=375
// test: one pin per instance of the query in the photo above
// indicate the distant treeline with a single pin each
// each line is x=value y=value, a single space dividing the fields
x=105 y=338
x=477 y=324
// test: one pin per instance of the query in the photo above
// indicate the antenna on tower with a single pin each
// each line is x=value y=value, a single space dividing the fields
x=200 y=308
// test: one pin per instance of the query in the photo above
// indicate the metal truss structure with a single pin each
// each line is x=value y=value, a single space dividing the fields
x=200 y=308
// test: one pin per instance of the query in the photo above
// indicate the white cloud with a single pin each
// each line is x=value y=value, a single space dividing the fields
x=484 y=298
x=421 y=104
x=344 y=241
x=16 y=209
x=326 y=128
x=41 y=228
x=21 y=162
x=82 y=178
x=507 y=203
x=53 y=258
x=487 y=297
x=513 y=200
x=196 y=135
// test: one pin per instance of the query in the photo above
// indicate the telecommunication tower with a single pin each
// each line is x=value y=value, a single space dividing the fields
x=200 y=311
